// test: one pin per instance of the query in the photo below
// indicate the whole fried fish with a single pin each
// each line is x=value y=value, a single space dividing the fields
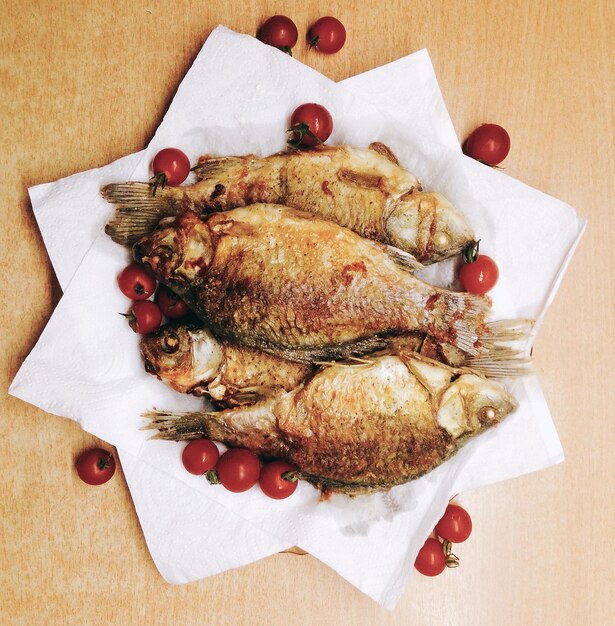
x=189 y=359
x=358 y=428
x=306 y=289
x=364 y=190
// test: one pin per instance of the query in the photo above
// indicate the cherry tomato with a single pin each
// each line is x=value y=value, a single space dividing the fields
x=327 y=35
x=455 y=525
x=479 y=276
x=431 y=560
x=171 y=167
x=488 y=143
x=310 y=124
x=144 y=317
x=200 y=456
x=170 y=304
x=279 y=31
x=238 y=469
x=95 y=466
x=136 y=282
x=272 y=483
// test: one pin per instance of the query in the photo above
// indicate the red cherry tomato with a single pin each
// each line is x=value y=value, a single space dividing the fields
x=279 y=31
x=455 y=525
x=479 y=276
x=488 y=143
x=431 y=560
x=238 y=469
x=171 y=167
x=170 y=304
x=95 y=466
x=327 y=35
x=200 y=456
x=144 y=317
x=271 y=482
x=136 y=282
x=310 y=124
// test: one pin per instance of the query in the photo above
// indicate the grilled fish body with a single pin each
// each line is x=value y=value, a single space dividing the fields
x=190 y=359
x=358 y=428
x=305 y=289
x=364 y=190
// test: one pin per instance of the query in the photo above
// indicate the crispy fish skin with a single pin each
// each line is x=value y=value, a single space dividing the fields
x=358 y=428
x=364 y=190
x=191 y=360
x=280 y=280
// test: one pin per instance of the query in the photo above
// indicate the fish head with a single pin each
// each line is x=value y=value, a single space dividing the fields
x=183 y=356
x=472 y=404
x=179 y=250
x=428 y=226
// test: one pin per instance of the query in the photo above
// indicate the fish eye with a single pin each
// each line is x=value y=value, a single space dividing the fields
x=441 y=240
x=486 y=414
x=170 y=343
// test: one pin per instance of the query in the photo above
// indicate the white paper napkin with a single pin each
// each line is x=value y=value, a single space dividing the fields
x=350 y=538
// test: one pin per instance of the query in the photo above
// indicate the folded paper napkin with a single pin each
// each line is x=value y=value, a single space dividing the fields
x=235 y=99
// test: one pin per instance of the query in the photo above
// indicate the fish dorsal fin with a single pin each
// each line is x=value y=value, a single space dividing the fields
x=384 y=150
x=216 y=167
x=360 y=179
x=402 y=258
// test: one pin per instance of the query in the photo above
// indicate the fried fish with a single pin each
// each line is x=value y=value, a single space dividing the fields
x=189 y=359
x=364 y=190
x=358 y=428
x=272 y=278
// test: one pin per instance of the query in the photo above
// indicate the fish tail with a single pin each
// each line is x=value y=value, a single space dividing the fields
x=215 y=167
x=498 y=357
x=252 y=427
x=501 y=362
x=138 y=209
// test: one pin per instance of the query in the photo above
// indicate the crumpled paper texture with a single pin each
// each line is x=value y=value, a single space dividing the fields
x=236 y=99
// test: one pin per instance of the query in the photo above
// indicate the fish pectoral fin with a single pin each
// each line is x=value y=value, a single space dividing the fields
x=384 y=150
x=360 y=179
x=403 y=259
x=215 y=167
x=251 y=395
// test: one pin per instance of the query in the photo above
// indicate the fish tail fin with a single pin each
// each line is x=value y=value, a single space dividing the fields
x=138 y=209
x=501 y=362
x=252 y=427
x=216 y=167
x=498 y=355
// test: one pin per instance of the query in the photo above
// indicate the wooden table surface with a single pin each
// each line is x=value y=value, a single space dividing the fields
x=83 y=83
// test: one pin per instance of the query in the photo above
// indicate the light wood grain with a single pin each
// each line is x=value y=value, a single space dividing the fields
x=83 y=83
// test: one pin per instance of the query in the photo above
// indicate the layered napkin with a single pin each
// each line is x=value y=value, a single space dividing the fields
x=237 y=98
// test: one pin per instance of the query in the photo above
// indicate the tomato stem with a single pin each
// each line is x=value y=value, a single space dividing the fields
x=287 y=50
x=470 y=252
x=299 y=131
x=212 y=477
x=160 y=180
x=292 y=476
x=314 y=41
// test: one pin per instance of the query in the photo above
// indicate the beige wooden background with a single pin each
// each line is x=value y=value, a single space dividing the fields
x=83 y=83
